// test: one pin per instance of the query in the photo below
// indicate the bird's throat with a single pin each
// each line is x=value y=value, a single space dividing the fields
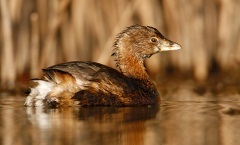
x=132 y=66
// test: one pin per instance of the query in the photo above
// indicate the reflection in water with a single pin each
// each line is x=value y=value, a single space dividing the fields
x=110 y=125
x=182 y=123
x=91 y=125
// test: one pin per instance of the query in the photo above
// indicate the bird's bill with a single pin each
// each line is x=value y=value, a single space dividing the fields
x=167 y=45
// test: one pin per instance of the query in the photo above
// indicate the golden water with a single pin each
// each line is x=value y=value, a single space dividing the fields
x=169 y=123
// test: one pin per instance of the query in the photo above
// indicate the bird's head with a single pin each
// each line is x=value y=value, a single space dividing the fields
x=142 y=41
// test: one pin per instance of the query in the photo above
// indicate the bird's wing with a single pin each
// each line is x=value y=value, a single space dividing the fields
x=83 y=71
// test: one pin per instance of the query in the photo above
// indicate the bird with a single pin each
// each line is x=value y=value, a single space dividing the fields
x=86 y=83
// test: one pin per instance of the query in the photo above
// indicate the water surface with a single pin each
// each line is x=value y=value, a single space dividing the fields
x=169 y=123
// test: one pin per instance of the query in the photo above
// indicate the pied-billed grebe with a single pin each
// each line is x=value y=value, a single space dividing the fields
x=91 y=83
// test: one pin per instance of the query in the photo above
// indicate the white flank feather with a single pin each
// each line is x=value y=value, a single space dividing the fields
x=39 y=93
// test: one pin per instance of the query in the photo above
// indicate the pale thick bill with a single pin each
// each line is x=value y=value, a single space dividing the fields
x=167 y=47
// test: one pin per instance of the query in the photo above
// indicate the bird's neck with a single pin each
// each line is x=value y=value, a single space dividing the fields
x=131 y=65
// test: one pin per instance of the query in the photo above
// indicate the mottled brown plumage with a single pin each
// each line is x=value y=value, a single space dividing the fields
x=91 y=83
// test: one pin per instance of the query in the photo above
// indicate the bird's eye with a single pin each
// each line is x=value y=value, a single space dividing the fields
x=154 y=39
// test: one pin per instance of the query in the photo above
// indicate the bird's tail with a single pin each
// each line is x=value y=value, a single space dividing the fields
x=39 y=93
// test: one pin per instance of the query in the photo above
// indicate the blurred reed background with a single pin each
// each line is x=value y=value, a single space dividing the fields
x=38 y=33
